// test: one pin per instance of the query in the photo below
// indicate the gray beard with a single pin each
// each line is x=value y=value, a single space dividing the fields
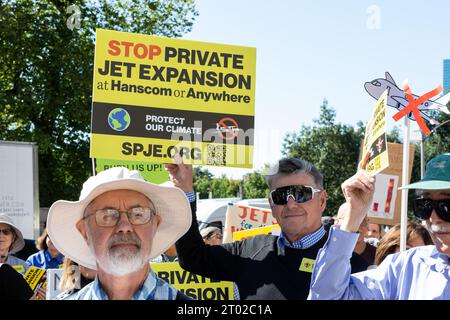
x=123 y=261
x=120 y=261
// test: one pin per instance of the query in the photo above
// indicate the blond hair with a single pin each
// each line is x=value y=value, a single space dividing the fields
x=70 y=279
x=391 y=240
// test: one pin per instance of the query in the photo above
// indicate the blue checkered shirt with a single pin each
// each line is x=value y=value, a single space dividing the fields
x=190 y=196
x=152 y=289
x=303 y=243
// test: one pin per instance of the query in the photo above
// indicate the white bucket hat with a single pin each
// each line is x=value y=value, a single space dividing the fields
x=18 y=243
x=170 y=203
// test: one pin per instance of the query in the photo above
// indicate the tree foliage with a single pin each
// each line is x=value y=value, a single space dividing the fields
x=435 y=144
x=46 y=76
x=332 y=147
x=255 y=186
x=220 y=187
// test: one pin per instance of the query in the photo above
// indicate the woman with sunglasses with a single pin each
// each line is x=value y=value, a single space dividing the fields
x=418 y=273
x=11 y=241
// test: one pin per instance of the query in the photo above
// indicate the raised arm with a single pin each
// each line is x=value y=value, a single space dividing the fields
x=218 y=262
x=331 y=277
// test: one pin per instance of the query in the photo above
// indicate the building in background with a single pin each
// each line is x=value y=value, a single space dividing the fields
x=446 y=76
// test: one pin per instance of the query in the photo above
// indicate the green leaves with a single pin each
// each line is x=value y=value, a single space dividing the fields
x=332 y=147
x=255 y=186
x=46 y=76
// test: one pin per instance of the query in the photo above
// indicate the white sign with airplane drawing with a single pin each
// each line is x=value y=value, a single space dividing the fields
x=397 y=97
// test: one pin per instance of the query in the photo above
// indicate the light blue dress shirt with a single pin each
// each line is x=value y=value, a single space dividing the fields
x=18 y=264
x=190 y=196
x=152 y=289
x=416 y=274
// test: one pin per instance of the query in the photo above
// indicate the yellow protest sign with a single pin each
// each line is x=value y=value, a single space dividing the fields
x=151 y=172
x=191 y=284
x=34 y=277
x=239 y=235
x=375 y=140
x=155 y=96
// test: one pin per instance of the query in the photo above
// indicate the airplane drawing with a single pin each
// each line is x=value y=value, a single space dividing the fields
x=397 y=97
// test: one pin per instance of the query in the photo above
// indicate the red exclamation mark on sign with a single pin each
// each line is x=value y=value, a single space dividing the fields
x=389 y=196
x=375 y=207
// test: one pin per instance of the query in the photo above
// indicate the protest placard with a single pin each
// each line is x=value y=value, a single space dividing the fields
x=151 y=172
x=53 y=280
x=191 y=284
x=375 y=140
x=240 y=217
x=36 y=278
x=155 y=96
x=271 y=229
x=386 y=203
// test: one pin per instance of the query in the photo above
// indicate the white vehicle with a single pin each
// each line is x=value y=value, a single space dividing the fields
x=19 y=185
x=212 y=212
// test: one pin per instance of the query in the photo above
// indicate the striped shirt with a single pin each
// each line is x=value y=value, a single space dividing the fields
x=303 y=243
x=152 y=289
x=190 y=196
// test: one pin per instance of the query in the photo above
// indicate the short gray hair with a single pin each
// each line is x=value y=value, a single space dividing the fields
x=288 y=166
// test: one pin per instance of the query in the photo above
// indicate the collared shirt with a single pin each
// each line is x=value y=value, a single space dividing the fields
x=18 y=264
x=43 y=259
x=303 y=243
x=152 y=289
x=190 y=196
x=418 y=273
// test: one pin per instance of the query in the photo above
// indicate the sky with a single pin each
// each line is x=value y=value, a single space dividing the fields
x=311 y=50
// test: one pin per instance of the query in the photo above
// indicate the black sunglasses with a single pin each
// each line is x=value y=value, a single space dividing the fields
x=424 y=207
x=299 y=194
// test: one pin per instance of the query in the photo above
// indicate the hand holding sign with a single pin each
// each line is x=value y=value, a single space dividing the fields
x=358 y=192
x=180 y=174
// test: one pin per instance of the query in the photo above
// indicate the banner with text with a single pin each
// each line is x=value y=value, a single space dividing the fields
x=243 y=234
x=36 y=278
x=375 y=140
x=151 y=172
x=154 y=97
x=243 y=218
x=191 y=284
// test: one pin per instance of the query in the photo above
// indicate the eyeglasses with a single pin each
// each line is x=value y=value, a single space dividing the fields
x=299 y=194
x=213 y=235
x=424 y=207
x=6 y=232
x=110 y=217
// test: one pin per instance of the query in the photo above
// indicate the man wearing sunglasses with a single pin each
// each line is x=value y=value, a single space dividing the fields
x=266 y=266
x=418 y=273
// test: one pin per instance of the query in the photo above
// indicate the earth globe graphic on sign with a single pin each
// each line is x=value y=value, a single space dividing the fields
x=119 y=119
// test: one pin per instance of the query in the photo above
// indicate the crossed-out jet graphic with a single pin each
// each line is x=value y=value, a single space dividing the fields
x=397 y=97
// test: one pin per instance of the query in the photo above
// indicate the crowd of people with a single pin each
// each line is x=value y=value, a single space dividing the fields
x=107 y=241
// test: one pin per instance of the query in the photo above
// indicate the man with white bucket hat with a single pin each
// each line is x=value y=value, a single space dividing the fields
x=117 y=226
